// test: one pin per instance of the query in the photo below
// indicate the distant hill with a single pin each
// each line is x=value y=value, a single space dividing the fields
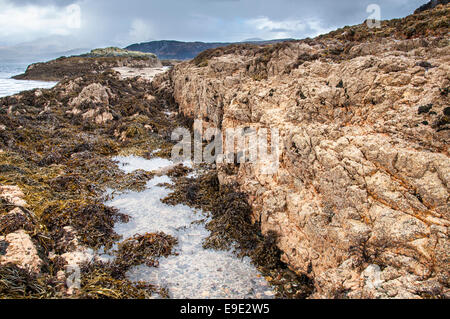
x=178 y=50
x=432 y=4
x=41 y=49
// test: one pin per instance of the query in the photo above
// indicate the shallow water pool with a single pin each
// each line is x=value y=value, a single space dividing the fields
x=195 y=273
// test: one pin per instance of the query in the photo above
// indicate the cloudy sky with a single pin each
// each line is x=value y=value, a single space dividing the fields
x=95 y=23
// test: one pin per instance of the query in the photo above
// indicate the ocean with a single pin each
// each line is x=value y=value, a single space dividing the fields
x=10 y=86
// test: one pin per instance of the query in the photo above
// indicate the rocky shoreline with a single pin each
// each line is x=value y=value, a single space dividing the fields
x=360 y=202
x=95 y=62
x=56 y=164
x=358 y=208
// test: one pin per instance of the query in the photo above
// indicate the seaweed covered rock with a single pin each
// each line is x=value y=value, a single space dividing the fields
x=94 y=223
x=13 y=195
x=18 y=283
x=15 y=220
x=101 y=280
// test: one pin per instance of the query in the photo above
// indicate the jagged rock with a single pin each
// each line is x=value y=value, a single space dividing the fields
x=91 y=96
x=94 y=93
x=360 y=199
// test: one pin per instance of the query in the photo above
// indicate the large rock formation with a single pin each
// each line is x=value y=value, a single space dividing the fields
x=360 y=201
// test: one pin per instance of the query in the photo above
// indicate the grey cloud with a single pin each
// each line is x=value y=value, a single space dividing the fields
x=112 y=22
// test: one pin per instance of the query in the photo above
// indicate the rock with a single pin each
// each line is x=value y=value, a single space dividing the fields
x=97 y=96
x=118 y=52
x=361 y=184
x=94 y=93
x=97 y=61
x=372 y=277
x=13 y=195
x=75 y=255
x=20 y=251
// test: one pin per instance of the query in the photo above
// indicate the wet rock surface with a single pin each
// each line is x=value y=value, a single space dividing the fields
x=360 y=202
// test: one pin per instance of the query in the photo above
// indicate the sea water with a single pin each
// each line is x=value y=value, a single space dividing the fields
x=9 y=86
x=195 y=272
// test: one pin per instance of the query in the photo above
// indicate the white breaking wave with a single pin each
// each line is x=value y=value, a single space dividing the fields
x=10 y=86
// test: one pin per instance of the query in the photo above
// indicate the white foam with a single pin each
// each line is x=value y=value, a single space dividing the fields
x=130 y=164
x=10 y=86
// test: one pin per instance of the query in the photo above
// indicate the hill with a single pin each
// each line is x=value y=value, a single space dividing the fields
x=178 y=50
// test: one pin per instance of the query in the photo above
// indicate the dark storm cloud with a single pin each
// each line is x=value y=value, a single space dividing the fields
x=118 y=22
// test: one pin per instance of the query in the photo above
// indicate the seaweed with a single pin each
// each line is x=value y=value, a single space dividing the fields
x=100 y=280
x=179 y=171
x=17 y=283
x=144 y=249
x=231 y=227
x=3 y=247
x=94 y=223
x=14 y=221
